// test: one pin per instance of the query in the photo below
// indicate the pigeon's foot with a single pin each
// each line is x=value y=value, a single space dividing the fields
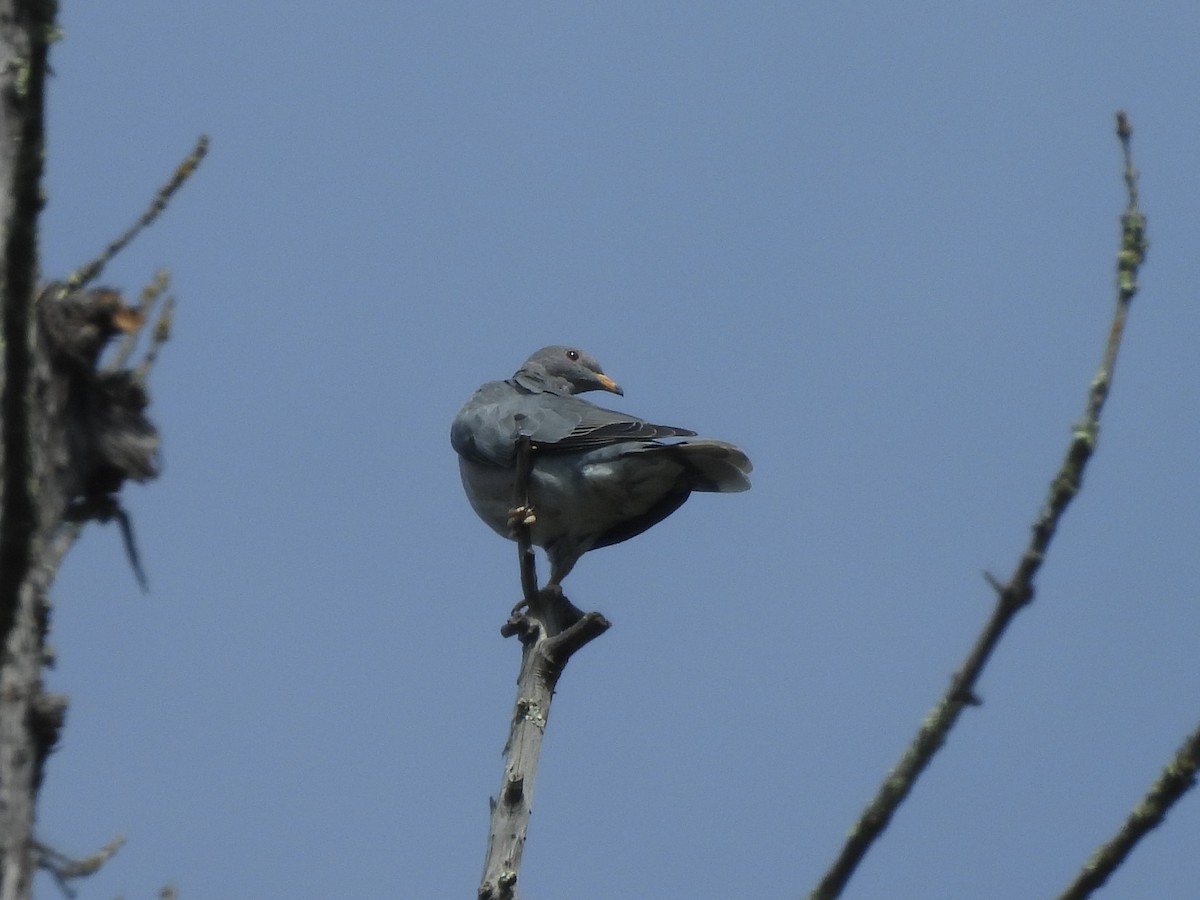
x=520 y=515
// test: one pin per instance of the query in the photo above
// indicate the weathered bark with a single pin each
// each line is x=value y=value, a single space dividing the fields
x=71 y=433
x=28 y=719
x=86 y=434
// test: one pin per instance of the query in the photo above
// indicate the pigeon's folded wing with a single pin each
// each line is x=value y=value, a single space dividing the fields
x=499 y=414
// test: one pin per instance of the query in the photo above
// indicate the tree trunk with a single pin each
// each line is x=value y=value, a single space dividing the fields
x=28 y=720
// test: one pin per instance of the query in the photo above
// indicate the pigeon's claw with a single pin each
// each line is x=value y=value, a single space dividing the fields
x=520 y=515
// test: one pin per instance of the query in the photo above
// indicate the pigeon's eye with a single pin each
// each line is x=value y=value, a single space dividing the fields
x=573 y=355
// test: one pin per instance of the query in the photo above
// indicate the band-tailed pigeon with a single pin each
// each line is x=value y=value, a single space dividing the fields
x=599 y=477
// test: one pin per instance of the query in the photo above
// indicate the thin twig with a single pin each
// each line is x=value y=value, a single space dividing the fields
x=149 y=296
x=63 y=868
x=130 y=543
x=159 y=336
x=1018 y=591
x=88 y=273
x=1180 y=774
x=1176 y=780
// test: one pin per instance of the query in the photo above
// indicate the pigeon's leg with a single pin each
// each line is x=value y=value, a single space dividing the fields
x=563 y=555
x=520 y=523
x=522 y=512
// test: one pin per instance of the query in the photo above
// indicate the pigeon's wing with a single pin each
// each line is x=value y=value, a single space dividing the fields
x=488 y=427
x=596 y=427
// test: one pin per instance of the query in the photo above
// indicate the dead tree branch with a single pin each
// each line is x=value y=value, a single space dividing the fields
x=27 y=725
x=551 y=629
x=88 y=273
x=1018 y=590
x=63 y=869
x=71 y=432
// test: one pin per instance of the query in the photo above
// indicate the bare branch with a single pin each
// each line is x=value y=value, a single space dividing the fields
x=1176 y=779
x=26 y=27
x=1180 y=774
x=149 y=297
x=85 y=275
x=70 y=432
x=1018 y=591
x=551 y=629
x=64 y=869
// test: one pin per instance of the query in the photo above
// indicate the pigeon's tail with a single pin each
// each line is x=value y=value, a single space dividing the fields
x=714 y=466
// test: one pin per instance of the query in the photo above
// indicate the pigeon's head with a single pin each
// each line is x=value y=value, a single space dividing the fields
x=563 y=370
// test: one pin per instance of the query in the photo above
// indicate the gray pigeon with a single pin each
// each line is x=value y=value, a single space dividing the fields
x=599 y=477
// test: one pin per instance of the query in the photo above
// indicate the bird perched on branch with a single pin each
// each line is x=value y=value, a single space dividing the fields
x=598 y=476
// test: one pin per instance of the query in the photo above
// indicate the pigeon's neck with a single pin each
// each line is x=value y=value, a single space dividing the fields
x=537 y=380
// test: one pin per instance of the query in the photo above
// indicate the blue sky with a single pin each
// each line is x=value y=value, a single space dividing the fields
x=870 y=244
